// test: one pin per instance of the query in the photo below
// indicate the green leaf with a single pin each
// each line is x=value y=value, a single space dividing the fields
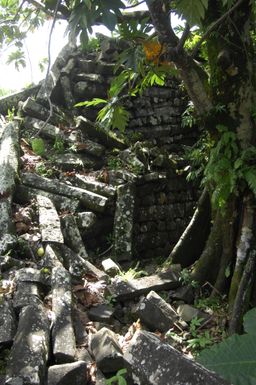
x=121 y=372
x=250 y=177
x=93 y=102
x=38 y=146
x=192 y=10
x=250 y=321
x=235 y=358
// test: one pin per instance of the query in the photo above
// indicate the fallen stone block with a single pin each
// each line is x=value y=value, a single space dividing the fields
x=123 y=222
x=107 y=351
x=156 y=313
x=49 y=221
x=29 y=274
x=27 y=293
x=76 y=265
x=94 y=131
x=188 y=312
x=74 y=373
x=90 y=200
x=184 y=293
x=101 y=313
x=63 y=336
x=71 y=162
x=110 y=267
x=30 y=350
x=72 y=236
x=36 y=110
x=122 y=290
x=86 y=220
x=7 y=263
x=24 y=194
x=8 y=324
x=153 y=362
x=50 y=258
x=94 y=186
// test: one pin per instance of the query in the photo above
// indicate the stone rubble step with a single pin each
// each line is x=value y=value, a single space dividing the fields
x=72 y=235
x=74 y=373
x=107 y=351
x=156 y=313
x=101 y=313
x=49 y=221
x=30 y=350
x=71 y=162
x=110 y=267
x=8 y=324
x=24 y=194
x=154 y=362
x=88 y=183
x=63 y=336
x=123 y=290
x=90 y=200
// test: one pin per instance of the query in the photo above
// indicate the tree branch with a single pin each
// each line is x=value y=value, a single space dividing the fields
x=213 y=27
x=183 y=37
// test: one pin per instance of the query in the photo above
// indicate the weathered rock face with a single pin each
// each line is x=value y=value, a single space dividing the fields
x=157 y=363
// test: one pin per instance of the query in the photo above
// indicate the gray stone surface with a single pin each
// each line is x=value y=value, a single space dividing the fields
x=110 y=267
x=86 y=220
x=48 y=130
x=63 y=337
x=107 y=351
x=7 y=263
x=30 y=350
x=123 y=223
x=77 y=265
x=156 y=313
x=49 y=221
x=72 y=235
x=37 y=110
x=90 y=200
x=188 y=312
x=153 y=362
x=24 y=194
x=71 y=162
x=93 y=131
x=27 y=293
x=101 y=313
x=30 y=274
x=74 y=373
x=94 y=186
x=8 y=324
x=123 y=290
x=184 y=293
x=10 y=101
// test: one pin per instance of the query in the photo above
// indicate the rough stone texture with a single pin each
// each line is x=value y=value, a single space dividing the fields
x=86 y=220
x=123 y=290
x=30 y=274
x=94 y=132
x=156 y=313
x=72 y=236
x=110 y=267
x=24 y=194
x=38 y=111
x=63 y=337
x=107 y=351
x=7 y=263
x=30 y=350
x=67 y=374
x=49 y=221
x=71 y=162
x=76 y=265
x=8 y=324
x=101 y=313
x=156 y=363
x=27 y=293
x=48 y=130
x=123 y=223
x=90 y=200
x=188 y=312
x=10 y=101
x=184 y=293
x=94 y=186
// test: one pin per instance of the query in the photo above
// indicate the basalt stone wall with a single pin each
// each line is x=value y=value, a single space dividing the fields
x=163 y=209
x=165 y=203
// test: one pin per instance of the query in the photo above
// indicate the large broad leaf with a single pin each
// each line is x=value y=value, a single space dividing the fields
x=235 y=358
x=192 y=10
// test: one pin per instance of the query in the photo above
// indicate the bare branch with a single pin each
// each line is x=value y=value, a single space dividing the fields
x=183 y=37
x=214 y=26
